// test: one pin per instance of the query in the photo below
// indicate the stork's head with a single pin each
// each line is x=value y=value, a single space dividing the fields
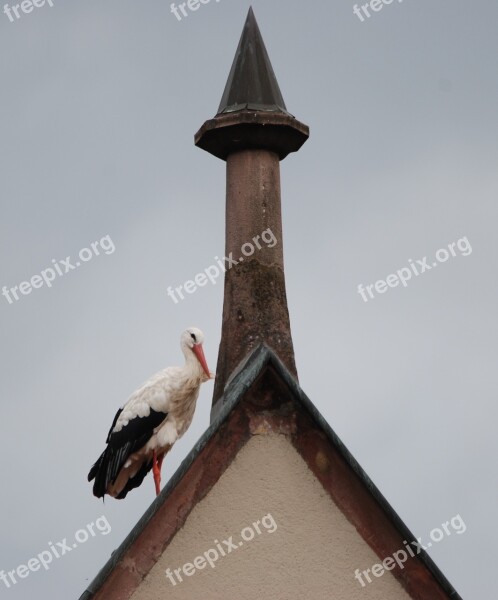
x=192 y=340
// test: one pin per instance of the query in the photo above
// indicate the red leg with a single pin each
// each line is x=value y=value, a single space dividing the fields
x=156 y=470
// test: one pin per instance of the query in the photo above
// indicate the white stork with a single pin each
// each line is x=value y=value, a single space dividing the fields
x=148 y=425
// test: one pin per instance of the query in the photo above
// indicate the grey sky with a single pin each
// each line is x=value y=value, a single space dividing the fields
x=100 y=102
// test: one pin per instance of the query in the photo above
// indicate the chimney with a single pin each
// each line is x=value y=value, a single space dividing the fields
x=252 y=132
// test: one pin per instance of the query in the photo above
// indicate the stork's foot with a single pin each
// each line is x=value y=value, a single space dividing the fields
x=156 y=470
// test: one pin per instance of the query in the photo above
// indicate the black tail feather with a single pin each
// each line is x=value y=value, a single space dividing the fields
x=94 y=470
x=135 y=481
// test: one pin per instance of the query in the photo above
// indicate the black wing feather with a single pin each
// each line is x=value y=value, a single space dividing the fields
x=120 y=410
x=120 y=445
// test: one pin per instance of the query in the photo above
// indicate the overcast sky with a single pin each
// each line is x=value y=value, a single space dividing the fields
x=100 y=102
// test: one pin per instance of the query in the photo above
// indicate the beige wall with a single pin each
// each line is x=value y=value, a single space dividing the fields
x=312 y=554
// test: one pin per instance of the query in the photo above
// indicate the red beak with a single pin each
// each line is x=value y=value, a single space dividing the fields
x=199 y=352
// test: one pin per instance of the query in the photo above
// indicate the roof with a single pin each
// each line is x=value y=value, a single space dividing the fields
x=372 y=515
x=252 y=83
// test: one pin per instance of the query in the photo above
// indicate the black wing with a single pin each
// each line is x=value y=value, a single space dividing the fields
x=120 y=445
x=115 y=420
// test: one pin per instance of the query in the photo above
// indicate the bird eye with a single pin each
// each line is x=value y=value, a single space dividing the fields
x=193 y=337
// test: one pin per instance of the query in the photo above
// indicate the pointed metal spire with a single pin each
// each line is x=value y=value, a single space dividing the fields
x=252 y=83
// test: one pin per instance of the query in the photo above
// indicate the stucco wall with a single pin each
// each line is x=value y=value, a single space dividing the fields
x=312 y=553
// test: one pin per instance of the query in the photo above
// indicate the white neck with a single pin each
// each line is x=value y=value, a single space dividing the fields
x=192 y=366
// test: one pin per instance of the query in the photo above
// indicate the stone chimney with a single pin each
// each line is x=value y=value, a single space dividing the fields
x=252 y=132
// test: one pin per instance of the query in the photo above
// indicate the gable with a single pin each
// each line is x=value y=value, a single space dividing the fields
x=305 y=547
x=263 y=401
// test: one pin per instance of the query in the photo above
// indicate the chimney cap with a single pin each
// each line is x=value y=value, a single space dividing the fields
x=251 y=130
x=252 y=114
x=252 y=84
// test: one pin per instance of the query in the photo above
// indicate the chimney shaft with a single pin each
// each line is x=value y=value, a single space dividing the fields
x=253 y=205
x=253 y=132
x=255 y=302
